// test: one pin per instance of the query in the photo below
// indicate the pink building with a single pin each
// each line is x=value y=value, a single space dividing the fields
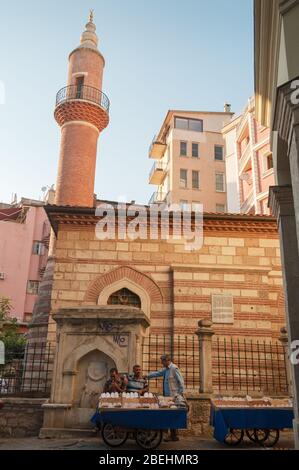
x=249 y=163
x=24 y=240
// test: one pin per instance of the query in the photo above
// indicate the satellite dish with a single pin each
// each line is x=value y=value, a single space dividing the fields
x=44 y=188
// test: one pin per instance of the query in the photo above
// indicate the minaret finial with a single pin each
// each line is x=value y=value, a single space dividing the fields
x=91 y=16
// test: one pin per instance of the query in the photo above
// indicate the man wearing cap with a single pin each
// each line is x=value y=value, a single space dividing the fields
x=173 y=384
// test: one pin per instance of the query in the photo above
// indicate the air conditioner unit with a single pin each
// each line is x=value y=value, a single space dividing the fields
x=2 y=276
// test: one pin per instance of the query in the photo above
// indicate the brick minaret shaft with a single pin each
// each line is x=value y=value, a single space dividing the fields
x=82 y=112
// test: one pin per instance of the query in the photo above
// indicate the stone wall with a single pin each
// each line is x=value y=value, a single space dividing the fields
x=239 y=257
x=21 y=417
x=199 y=415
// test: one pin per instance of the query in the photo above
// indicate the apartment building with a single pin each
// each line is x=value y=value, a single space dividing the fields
x=24 y=241
x=189 y=159
x=249 y=163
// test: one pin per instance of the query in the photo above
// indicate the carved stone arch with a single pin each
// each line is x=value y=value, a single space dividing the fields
x=125 y=282
x=124 y=276
x=99 y=343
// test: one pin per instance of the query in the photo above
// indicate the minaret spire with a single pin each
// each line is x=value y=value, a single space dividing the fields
x=91 y=16
x=89 y=37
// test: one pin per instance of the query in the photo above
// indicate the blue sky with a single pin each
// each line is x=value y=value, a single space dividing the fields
x=160 y=55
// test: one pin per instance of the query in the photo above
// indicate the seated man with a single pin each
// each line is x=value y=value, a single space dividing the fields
x=116 y=383
x=136 y=382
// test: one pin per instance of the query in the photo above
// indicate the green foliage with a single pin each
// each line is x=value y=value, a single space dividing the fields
x=5 y=307
x=9 y=330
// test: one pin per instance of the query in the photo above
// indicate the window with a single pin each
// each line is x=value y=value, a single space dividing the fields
x=32 y=287
x=220 y=182
x=183 y=178
x=79 y=85
x=27 y=317
x=188 y=124
x=184 y=204
x=195 y=179
x=196 y=206
x=124 y=297
x=38 y=248
x=195 y=152
x=269 y=161
x=220 y=208
x=181 y=123
x=218 y=152
x=195 y=125
x=183 y=149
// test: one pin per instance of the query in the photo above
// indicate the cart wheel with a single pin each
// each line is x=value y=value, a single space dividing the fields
x=260 y=435
x=148 y=439
x=250 y=434
x=272 y=437
x=113 y=436
x=234 y=437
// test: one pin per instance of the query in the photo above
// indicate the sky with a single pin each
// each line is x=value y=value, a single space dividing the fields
x=160 y=55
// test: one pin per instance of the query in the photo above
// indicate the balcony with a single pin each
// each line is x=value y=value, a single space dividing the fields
x=245 y=157
x=82 y=103
x=157 y=198
x=84 y=93
x=157 y=149
x=157 y=173
x=248 y=204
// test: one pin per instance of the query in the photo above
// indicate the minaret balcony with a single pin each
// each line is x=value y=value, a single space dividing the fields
x=83 y=103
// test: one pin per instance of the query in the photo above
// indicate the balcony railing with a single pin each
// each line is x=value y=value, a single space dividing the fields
x=157 y=173
x=85 y=93
x=157 y=198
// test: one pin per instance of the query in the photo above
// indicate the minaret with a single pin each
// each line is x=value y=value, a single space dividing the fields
x=82 y=112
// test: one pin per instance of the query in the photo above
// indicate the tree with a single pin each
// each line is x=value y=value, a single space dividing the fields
x=5 y=308
x=13 y=340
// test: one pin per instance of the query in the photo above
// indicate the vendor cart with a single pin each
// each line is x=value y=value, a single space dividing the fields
x=146 y=426
x=261 y=424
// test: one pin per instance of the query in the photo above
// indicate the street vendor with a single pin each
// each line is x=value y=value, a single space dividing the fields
x=137 y=382
x=173 y=384
x=116 y=383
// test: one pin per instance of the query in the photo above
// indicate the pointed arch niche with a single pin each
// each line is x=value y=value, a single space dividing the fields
x=124 y=277
x=128 y=284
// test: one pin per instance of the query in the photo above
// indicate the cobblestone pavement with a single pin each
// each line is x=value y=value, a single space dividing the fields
x=95 y=443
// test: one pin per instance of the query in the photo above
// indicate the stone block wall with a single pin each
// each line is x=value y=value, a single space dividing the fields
x=238 y=257
x=21 y=417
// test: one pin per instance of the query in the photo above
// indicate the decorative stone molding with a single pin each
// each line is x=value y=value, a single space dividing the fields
x=226 y=223
x=124 y=272
x=82 y=111
x=281 y=201
x=286 y=114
